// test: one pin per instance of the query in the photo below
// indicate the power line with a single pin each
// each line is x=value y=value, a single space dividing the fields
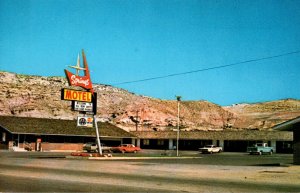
x=206 y=69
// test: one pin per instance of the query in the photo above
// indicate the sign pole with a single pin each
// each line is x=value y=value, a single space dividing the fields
x=98 y=137
x=178 y=126
x=86 y=101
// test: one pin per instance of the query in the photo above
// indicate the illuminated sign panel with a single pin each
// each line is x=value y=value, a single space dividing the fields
x=82 y=106
x=82 y=81
x=85 y=121
x=76 y=95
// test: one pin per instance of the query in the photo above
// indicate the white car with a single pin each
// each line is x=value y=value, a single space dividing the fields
x=210 y=149
x=93 y=147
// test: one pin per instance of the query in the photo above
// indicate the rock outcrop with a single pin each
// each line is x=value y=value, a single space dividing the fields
x=36 y=96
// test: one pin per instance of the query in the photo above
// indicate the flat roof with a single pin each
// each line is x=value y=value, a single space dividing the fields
x=217 y=135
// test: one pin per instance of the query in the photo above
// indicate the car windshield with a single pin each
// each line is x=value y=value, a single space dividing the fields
x=126 y=145
x=90 y=144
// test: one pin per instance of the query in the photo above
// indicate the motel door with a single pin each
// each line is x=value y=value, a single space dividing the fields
x=38 y=144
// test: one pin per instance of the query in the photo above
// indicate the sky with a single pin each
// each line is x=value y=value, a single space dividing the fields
x=129 y=40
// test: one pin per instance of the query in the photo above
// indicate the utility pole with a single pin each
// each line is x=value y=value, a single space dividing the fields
x=137 y=121
x=178 y=122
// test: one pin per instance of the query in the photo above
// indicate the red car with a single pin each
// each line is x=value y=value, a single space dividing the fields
x=126 y=148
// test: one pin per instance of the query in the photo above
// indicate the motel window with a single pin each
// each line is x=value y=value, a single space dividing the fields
x=146 y=142
x=160 y=142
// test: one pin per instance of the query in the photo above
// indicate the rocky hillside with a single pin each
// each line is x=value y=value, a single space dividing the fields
x=264 y=115
x=35 y=96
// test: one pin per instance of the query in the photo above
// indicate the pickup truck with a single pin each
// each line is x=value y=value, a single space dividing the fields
x=260 y=148
x=210 y=149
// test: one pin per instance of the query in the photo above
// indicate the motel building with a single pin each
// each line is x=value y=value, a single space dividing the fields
x=230 y=141
x=292 y=126
x=64 y=135
x=42 y=134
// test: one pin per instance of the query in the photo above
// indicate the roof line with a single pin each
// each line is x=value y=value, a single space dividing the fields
x=22 y=133
x=282 y=126
x=6 y=129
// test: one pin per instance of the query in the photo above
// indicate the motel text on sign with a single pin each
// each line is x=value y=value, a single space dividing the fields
x=75 y=95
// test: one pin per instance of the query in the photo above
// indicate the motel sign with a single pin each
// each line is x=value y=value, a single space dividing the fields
x=83 y=101
x=76 y=95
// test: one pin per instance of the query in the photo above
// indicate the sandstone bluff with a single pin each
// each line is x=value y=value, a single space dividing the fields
x=36 y=96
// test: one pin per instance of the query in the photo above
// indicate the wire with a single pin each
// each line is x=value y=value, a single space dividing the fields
x=206 y=69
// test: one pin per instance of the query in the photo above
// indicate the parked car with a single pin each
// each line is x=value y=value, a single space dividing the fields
x=126 y=148
x=27 y=146
x=93 y=147
x=210 y=149
x=260 y=148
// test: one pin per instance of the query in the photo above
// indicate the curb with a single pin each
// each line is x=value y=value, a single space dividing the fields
x=129 y=158
x=140 y=158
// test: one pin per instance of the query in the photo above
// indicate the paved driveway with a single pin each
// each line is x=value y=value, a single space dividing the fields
x=226 y=172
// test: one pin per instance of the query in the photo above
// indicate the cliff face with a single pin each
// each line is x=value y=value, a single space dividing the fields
x=35 y=96
x=265 y=115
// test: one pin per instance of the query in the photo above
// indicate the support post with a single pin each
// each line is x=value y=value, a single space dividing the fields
x=273 y=144
x=171 y=146
x=97 y=135
x=138 y=142
x=133 y=141
x=221 y=144
x=18 y=140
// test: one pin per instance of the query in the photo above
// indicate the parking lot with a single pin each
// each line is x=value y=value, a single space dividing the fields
x=224 y=158
x=158 y=172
